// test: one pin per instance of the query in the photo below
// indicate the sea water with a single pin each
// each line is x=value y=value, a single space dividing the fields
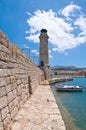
x=73 y=105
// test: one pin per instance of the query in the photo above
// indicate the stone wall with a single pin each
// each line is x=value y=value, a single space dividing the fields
x=19 y=77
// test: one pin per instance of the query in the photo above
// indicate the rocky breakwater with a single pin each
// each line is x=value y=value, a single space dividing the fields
x=58 y=80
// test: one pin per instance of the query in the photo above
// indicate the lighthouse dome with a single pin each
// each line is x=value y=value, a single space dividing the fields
x=43 y=31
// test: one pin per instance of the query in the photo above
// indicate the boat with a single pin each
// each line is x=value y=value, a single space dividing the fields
x=69 y=88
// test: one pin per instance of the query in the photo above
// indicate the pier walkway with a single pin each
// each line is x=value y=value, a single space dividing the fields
x=40 y=112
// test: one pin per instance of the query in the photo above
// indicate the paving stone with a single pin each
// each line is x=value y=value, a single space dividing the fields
x=1 y=126
x=3 y=102
x=4 y=112
x=38 y=112
x=2 y=91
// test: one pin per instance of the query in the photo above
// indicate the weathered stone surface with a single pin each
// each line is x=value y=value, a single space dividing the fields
x=2 y=91
x=4 y=56
x=3 y=102
x=1 y=126
x=24 y=97
x=19 y=89
x=11 y=106
x=14 y=86
x=14 y=93
x=3 y=64
x=4 y=112
x=4 y=48
x=2 y=82
x=0 y=117
x=13 y=112
x=10 y=96
x=18 y=81
x=8 y=88
x=16 y=101
x=3 y=39
x=38 y=112
x=12 y=79
x=7 y=121
x=7 y=80
x=15 y=67
x=5 y=72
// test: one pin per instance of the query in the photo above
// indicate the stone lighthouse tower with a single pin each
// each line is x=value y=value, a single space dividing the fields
x=43 y=51
x=43 y=54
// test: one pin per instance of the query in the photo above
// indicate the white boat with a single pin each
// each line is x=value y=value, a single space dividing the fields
x=69 y=88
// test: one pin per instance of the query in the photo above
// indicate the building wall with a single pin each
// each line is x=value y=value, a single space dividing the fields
x=19 y=77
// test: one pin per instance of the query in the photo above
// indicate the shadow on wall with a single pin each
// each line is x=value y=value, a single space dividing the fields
x=29 y=83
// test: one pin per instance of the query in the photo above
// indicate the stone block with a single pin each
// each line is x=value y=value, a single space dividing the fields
x=24 y=97
x=2 y=91
x=14 y=86
x=2 y=81
x=4 y=48
x=4 y=112
x=27 y=88
x=4 y=39
x=3 y=102
x=20 y=101
x=7 y=121
x=3 y=64
x=26 y=80
x=4 y=42
x=8 y=88
x=18 y=81
x=11 y=106
x=16 y=101
x=10 y=65
x=12 y=79
x=14 y=93
x=8 y=80
x=14 y=112
x=19 y=90
x=5 y=72
x=1 y=126
x=4 y=56
x=10 y=96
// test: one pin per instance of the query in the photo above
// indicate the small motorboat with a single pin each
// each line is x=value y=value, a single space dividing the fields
x=69 y=88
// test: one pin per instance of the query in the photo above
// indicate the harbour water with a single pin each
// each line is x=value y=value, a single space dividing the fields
x=73 y=105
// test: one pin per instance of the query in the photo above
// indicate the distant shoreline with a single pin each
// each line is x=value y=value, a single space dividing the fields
x=57 y=80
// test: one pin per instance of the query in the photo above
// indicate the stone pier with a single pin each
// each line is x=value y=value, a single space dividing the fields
x=40 y=112
x=19 y=78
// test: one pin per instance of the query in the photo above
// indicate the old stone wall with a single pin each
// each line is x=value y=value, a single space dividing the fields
x=19 y=77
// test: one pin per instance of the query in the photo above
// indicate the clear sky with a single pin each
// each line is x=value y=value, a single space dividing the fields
x=65 y=20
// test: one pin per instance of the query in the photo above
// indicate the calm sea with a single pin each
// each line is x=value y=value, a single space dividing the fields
x=73 y=105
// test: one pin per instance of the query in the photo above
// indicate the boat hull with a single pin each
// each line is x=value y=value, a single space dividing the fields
x=69 y=89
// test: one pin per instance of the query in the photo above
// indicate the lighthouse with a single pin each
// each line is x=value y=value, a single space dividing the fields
x=43 y=54
x=43 y=50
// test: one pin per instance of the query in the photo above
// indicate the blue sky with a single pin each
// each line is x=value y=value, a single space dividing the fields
x=22 y=20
